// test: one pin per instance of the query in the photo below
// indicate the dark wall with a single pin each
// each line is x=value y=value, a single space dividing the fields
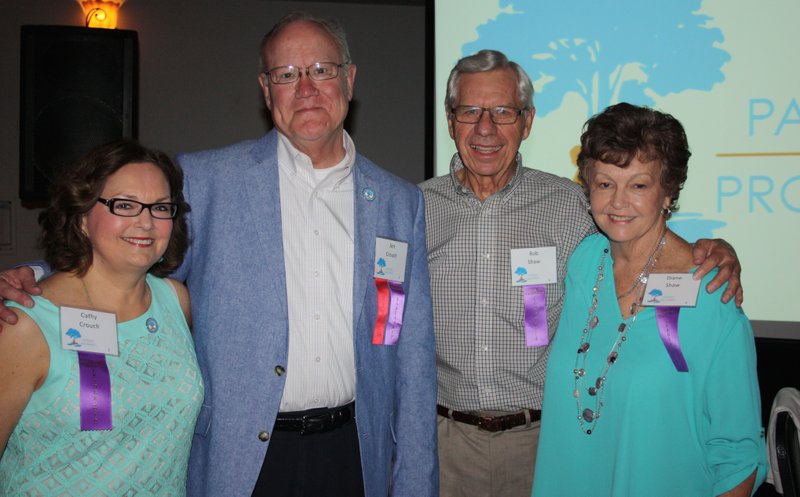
x=198 y=83
x=777 y=368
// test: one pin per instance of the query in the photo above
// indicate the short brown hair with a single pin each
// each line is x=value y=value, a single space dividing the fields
x=624 y=132
x=76 y=191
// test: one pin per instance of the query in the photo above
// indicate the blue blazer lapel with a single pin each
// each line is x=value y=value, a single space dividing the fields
x=368 y=206
x=263 y=200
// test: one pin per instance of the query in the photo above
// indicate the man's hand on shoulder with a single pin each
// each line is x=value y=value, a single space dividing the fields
x=708 y=254
x=17 y=285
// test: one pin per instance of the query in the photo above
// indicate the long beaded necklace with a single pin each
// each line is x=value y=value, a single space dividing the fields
x=587 y=417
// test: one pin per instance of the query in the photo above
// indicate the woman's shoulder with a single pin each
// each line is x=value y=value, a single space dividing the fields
x=42 y=307
x=710 y=309
x=26 y=325
x=176 y=288
x=590 y=249
x=24 y=343
x=59 y=289
x=583 y=263
x=168 y=284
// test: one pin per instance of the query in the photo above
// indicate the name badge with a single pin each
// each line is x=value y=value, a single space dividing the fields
x=85 y=330
x=671 y=290
x=390 y=259
x=668 y=292
x=533 y=266
x=532 y=269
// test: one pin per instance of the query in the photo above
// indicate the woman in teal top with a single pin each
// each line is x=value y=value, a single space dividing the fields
x=99 y=383
x=645 y=401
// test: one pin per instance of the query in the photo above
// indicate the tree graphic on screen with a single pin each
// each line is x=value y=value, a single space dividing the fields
x=607 y=51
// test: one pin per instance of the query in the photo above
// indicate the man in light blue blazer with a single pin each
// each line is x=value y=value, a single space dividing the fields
x=284 y=232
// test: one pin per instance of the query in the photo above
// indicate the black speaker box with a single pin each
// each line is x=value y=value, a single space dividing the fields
x=79 y=89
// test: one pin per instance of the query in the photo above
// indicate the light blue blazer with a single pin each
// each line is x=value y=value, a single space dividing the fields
x=235 y=273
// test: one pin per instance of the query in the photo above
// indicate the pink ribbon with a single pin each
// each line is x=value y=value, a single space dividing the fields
x=382 y=286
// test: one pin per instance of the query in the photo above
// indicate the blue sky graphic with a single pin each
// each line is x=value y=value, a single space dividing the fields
x=607 y=51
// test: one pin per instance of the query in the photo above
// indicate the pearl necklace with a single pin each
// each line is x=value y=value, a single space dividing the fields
x=587 y=417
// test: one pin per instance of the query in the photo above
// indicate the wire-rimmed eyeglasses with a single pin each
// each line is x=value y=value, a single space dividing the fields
x=318 y=71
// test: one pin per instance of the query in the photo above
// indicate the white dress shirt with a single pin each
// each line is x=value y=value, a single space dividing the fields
x=318 y=219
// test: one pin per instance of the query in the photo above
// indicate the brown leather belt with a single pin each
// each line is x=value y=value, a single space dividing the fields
x=496 y=423
x=315 y=420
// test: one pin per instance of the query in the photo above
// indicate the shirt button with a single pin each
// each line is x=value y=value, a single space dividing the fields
x=484 y=301
x=316 y=274
x=263 y=436
x=486 y=256
x=279 y=370
x=316 y=317
x=317 y=359
x=316 y=232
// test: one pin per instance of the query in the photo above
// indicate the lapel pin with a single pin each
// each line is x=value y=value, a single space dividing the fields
x=151 y=325
x=369 y=194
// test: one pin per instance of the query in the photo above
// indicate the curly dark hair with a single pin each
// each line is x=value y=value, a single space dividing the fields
x=76 y=191
x=623 y=132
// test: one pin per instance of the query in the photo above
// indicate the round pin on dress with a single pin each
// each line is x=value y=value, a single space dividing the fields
x=152 y=325
x=369 y=194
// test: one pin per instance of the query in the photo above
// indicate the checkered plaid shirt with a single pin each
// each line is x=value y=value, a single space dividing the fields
x=483 y=362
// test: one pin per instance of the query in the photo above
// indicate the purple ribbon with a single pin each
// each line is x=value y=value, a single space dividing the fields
x=95 y=392
x=397 y=302
x=668 y=329
x=535 y=297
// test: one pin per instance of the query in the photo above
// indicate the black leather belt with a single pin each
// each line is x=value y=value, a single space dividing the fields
x=315 y=420
x=495 y=423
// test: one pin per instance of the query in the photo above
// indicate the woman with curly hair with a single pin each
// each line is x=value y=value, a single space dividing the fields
x=99 y=383
x=642 y=398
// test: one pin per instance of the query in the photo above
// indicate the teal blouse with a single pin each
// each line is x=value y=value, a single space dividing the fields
x=661 y=432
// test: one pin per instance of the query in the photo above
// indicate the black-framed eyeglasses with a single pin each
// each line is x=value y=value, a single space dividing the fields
x=471 y=114
x=131 y=208
x=318 y=71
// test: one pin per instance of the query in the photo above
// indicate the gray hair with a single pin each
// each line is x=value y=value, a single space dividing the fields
x=483 y=61
x=331 y=27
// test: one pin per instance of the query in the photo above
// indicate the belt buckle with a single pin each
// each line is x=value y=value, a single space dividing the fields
x=315 y=423
x=308 y=425
x=304 y=425
x=487 y=424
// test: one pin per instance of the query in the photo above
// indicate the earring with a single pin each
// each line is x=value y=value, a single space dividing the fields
x=666 y=211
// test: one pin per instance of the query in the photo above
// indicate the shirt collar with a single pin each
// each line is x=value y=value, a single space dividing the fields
x=456 y=165
x=299 y=165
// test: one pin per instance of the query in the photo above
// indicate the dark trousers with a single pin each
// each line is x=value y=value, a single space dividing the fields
x=324 y=464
